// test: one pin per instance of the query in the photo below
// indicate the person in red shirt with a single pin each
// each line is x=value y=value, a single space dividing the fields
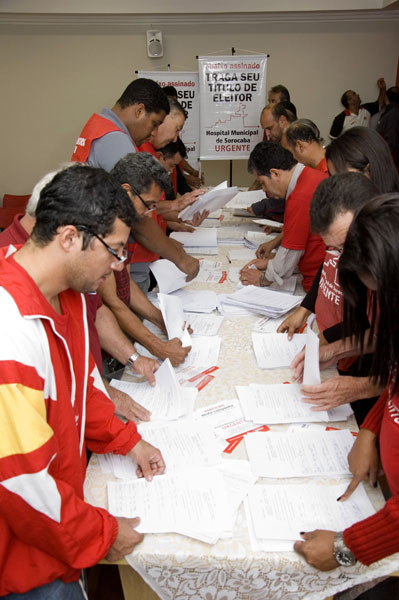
x=282 y=177
x=302 y=138
x=370 y=258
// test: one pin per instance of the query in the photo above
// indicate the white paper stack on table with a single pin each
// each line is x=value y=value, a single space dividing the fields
x=263 y=301
x=204 y=353
x=231 y=235
x=287 y=287
x=277 y=513
x=244 y=199
x=200 y=504
x=200 y=301
x=167 y=399
x=282 y=403
x=269 y=223
x=213 y=200
x=253 y=239
x=226 y=418
x=246 y=254
x=200 y=241
x=311 y=453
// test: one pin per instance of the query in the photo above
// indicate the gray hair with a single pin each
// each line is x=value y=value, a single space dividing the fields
x=140 y=170
x=30 y=209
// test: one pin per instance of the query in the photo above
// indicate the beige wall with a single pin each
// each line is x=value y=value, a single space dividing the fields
x=54 y=77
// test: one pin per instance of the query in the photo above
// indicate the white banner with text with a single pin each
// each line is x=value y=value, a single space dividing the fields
x=232 y=96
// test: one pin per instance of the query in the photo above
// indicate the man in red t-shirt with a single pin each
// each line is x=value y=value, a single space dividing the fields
x=282 y=177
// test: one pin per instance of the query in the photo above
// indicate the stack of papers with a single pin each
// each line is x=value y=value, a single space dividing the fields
x=263 y=301
x=226 y=418
x=234 y=234
x=277 y=513
x=282 y=403
x=288 y=286
x=204 y=324
x=275 y=350
x=213 y=200
x=241 y=254
x=269 y=223
x=200 y=301
x=267 y=325
x=200 y=241
x=167 y=399
x=254 y=238
x=168 y=276
x=299 y=454
x=245 y=199
x=200 y=504
x=204 y=352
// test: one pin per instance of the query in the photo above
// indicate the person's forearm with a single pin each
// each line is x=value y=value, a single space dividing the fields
x=365 y=388
x=150 y=235
x=277 y=241
x=140 y=304
x=134 y=328
x=112 y=338
x=167 y=206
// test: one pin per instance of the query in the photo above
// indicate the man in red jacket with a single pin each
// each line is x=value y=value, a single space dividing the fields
x=53 y=403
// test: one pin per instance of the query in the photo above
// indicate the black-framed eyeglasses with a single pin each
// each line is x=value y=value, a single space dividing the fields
x=119 y=259
x=146 y=204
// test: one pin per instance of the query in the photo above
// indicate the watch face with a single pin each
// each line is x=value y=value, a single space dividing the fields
x=346 y=559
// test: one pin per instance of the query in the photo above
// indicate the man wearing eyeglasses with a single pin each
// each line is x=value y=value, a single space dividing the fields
x=52 y=399
x=144 y=180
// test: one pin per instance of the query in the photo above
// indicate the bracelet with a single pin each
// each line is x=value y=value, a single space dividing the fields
x=132 y=359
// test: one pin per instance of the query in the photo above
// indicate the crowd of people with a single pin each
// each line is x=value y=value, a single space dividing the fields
x=96 y=225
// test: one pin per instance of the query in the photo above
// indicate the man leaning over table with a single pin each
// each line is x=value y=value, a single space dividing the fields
x=103 y=329
x=53 y=402
x=282 y=177
x=144 y=179
x=118 y=131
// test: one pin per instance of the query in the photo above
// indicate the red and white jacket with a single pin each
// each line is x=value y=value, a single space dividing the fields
x=53 y=404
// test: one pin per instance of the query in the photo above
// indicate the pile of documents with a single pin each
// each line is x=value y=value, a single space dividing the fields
x=245 y=199
x=213 y=200
x=263 y=301
x=275 y=350
x=201 y=241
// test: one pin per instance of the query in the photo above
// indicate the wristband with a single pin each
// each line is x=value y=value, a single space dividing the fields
x=132 y=359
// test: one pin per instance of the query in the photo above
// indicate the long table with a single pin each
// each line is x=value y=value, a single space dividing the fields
x=179 y=567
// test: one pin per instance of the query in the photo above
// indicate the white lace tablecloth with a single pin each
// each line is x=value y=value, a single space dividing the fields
x=177 y=567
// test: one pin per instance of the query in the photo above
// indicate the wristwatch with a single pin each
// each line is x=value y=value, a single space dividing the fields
x=342 y=554
x=132 y=359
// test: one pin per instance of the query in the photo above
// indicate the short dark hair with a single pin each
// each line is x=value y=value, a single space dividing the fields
x=172 y=148
x=371 y=249
x=175 y=106
x=282 y=90
x=170 y=90
x=393 y=94
x=336 y=195
x=81 y=195
x=269 y=155
x=147 y=92
x=284 y=109
x=345 y=99
x=363 y=149
x=304 y=130
x=140 y=170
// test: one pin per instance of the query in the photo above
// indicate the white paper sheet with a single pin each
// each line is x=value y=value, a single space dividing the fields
x=174 y=318
x=275 y=350
x=261 y=545
x=166 y=400
x=226 y=418
x=301 y=454
x=282 y=511
x=213 y=200
x=241 y=254
x=276 y=403
x=204 y=324
x=204 y=351
x=199 y=301
x=263 y=300
x=245 y=199
x=191 y=502
x=168 y=276
x=311 y=372
x=269 y=223
x=201 y=237
x=267 y=325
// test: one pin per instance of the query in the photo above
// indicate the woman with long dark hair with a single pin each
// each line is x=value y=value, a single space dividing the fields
x=370 y=261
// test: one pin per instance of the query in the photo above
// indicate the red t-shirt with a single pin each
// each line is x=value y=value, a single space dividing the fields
x=296 y=233
x=322 y=166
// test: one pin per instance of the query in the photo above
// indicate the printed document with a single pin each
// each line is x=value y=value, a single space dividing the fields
x=275 y=350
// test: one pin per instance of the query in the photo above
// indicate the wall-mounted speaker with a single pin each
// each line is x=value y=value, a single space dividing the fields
x=154 y=43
